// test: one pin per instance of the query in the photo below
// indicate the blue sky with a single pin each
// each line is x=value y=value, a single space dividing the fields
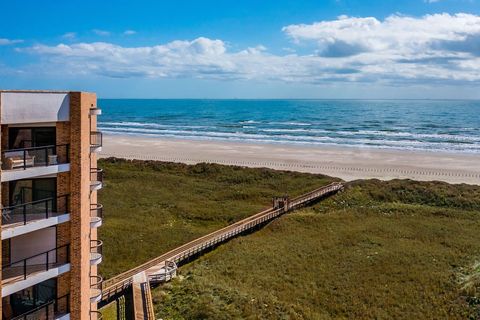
x=244 y=49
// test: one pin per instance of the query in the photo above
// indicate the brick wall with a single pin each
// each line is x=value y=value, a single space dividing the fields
x=80 y=204
x=5 y=252
x=63 y=137
x=63 y=188
x=63 y=288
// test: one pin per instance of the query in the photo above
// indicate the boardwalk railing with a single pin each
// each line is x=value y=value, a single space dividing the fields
x=149 y=314
x=117 y=284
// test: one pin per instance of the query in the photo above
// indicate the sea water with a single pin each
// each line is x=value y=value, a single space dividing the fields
x=427 y=125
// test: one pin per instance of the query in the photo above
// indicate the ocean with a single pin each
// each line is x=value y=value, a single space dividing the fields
x=426 y=125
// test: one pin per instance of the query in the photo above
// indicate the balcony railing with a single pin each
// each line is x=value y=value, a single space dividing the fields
x=35 y=210
x=95 y=288
x=96 y=178
x=22 y=269
x=95 y=315
x=95 y=252
x=35 y=157
x=96 y=215
x=96 y=140
x=49 y=311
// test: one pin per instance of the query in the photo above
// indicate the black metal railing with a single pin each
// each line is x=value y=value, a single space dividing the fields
x=62 y=305
x=96 y=175
x=96 y=139
x=95 y=315
x=96 y=210
x=35 y=157
x=48 y=311
x=21 y=269
x=96 y=282
x=96 y=247
x=35 y=210
x=95 y=286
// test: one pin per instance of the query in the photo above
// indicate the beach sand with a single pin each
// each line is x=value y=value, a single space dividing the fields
x=345 y=163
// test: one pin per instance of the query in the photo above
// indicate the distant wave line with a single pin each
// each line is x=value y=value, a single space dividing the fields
x=290 y=123
x=458 y=138
x=299 y=139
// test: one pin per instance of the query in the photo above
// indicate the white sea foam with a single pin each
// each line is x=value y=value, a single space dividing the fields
x=442 y=136
x=146 y=125
x=413 y=136
x=302 y=139
x=248 y=122
x=290 y=123
x=448 y=147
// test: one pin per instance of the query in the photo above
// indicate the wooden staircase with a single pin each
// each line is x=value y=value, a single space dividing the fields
x=142 y=298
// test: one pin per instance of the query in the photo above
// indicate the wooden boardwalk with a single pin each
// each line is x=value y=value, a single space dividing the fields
x=142 y=298
x=163 y=267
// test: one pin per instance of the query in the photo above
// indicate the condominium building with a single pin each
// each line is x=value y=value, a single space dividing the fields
x=50 y=214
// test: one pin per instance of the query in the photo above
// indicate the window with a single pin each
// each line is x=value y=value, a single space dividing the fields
x=33 y=297
x=24 y=191
x=20 y=138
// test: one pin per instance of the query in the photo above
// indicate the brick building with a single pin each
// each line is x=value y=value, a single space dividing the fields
x=50 y=214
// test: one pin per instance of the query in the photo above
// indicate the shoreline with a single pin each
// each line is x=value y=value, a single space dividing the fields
x=347 y=163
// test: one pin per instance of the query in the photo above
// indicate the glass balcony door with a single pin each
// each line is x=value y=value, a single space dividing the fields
x=20 y=138
x=31 y=137
x=25 y=191
x=29 y=299
x=32 y=199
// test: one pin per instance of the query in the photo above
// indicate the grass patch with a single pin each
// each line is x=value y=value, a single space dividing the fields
x=109 y=312
x=152 y=207
x=387 y=250
x=470 y=282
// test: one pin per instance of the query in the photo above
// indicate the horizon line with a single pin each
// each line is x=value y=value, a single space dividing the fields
x=311 y=99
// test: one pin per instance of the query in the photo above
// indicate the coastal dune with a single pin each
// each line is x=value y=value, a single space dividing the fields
x=345 y=163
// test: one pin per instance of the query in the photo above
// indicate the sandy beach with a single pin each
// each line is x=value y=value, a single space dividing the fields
x=345 y=163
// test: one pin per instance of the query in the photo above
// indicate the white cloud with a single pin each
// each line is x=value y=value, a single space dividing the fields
x=129 y=32
x=69 y=35
x=431 y=49
x=5 y=42
x=102 y=33
x=398 y=35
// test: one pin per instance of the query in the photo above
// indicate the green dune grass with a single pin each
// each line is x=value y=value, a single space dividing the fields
x=153 y=207
x=380 y=250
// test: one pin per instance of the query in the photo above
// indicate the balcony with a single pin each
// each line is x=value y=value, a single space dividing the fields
x=95 y=111
x=31 y=162
x=95 y=288
x=56 y=309
x=96 y=215
x=95 y=252
x=96 y=179
x=24 y=273
x=27 y=217
x=96 y=141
